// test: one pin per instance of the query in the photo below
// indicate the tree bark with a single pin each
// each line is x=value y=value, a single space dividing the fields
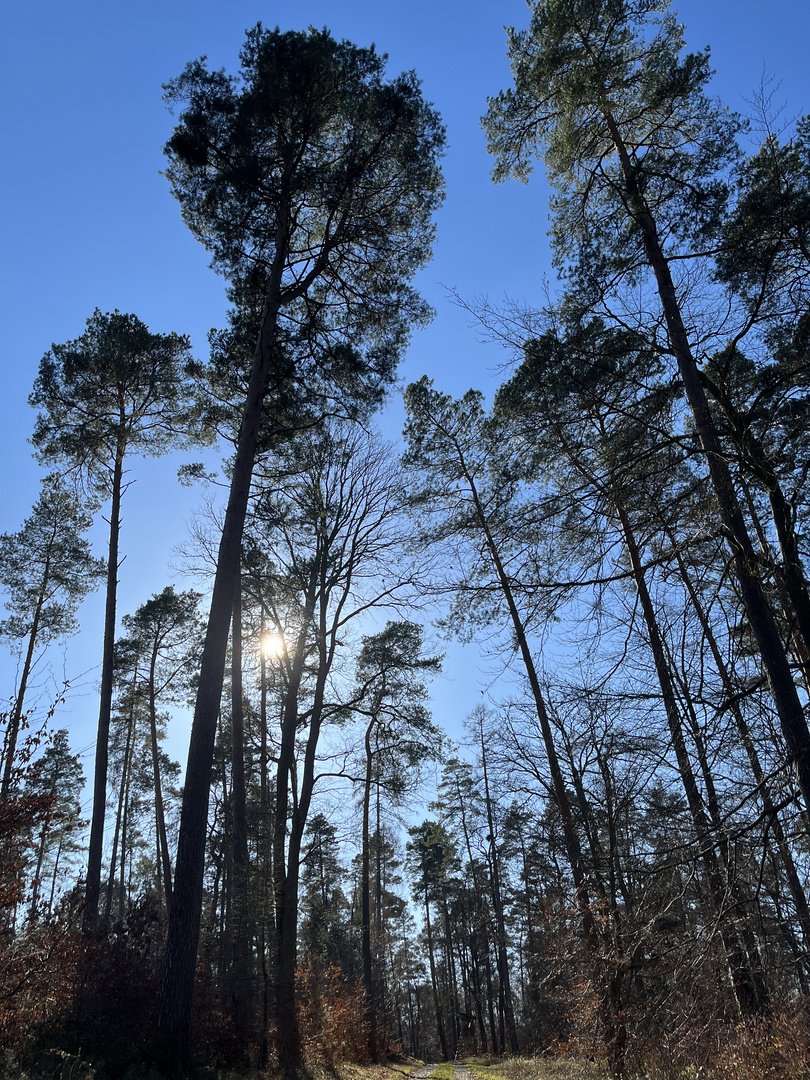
x=365 y=902
x=160 y=817
x=95 y=852
x=174 y=1011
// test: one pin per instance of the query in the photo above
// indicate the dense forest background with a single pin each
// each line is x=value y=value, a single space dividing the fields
x=610 y=856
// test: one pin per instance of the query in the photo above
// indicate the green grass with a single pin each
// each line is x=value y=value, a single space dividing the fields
x=534 y=1069
x=443 y=1071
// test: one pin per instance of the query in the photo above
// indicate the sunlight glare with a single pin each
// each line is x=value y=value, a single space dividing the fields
x=273 y=645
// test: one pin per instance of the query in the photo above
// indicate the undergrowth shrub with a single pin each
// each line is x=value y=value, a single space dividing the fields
x=332 y=1014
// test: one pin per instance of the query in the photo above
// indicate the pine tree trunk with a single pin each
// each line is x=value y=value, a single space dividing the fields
x=497 y=904
x=119 y=813
x=434 y=982
x=95 y=852
x=174 y=1011
x=240 y=958
x=760 y=616
x=160 y=817
x=365 y=903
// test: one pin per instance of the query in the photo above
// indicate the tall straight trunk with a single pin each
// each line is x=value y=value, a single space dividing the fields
x=288 y=1034
x=450 y=968
x=365 y=901
x=464 y=966
x=239 y=934
x=497 y=904
x=434 y=982
x=475 y=976
x=744 y=559
x=43 y=837
x=493 y=1031
x=285 y=859
x=125 y=824
x=480 y=923
x=120 y=809
x=613 y=1024
x=174 y=1010
x=267 y=920
x=378 y=873
x=160 y=816
x=54 y=878
x=226 y=922
x=95 y=851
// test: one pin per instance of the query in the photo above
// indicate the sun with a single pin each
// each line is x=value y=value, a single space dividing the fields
x=273 y=645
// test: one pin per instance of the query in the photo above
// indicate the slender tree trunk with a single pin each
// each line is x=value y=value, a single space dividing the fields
x=480 y=924
x=794 y=616
x=240 y=959
x=497 y=904
x=493 y=1031
x=760 y=616
x=174 y=1011
x=32 y=911
x=160 y=817
x=290 y=1048
x=434 y=982
x=125 y=819
x=614 y=1027
x=746 y=993
x=120 y=809
x=13 y=730
x=54 y=878
x=365 y=903
x=794 y=884
x=95 y=852
x=267 y=921
x=791 y=574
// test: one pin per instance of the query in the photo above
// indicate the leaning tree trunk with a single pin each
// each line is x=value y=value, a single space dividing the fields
x=744 y=559
x=174 y=1010
x=790 y=576
x=614 y=1028
x=95 y=852
x=766 y=797
x=749 y=997
x=17 y=713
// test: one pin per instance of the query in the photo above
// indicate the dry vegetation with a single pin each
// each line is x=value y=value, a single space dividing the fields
x=522 y=1068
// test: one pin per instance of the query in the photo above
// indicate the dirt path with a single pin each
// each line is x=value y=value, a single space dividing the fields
x=460 y=1072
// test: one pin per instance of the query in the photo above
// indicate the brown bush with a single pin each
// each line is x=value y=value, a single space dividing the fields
x=332 y=1014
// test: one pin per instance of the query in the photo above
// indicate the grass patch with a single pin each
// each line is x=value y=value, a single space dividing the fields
x=536 y=1069
x=442 y=1072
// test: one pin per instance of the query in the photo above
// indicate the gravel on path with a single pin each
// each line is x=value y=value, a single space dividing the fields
x=460 y=1072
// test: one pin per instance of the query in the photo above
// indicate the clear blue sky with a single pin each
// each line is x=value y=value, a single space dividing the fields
x=87 y=221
